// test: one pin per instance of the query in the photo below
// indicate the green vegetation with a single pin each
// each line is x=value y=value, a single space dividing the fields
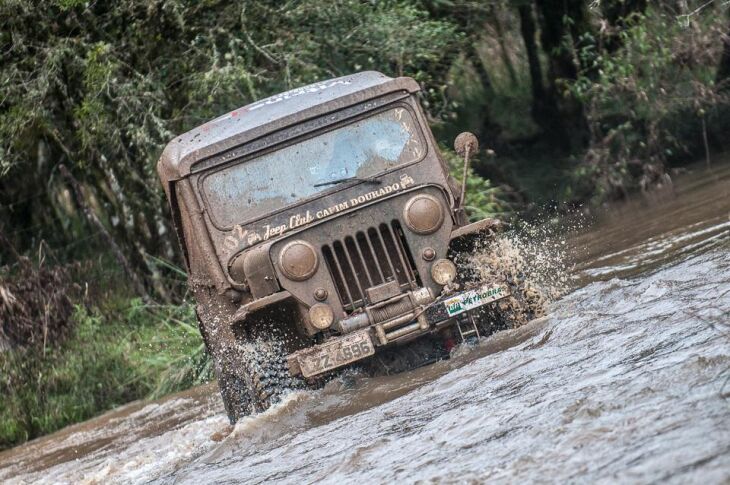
x=115 y=354
x=651 y=102
x=582 y=102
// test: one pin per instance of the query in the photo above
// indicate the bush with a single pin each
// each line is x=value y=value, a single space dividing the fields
x=171 y=352
x=134 y=351
x=643 y=98
x=34 y=304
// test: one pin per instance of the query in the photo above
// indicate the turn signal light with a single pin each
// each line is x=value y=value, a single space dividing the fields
x=443 y=271
x=321 y=316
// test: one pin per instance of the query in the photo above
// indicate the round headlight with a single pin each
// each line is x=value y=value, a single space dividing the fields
x=423 y=214
x=321 y=316
x=298 y=260
x=443 y=271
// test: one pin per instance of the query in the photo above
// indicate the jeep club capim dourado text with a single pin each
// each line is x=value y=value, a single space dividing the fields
x=320 y=228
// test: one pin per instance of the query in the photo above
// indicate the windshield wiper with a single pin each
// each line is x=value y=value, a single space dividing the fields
x=349 y=179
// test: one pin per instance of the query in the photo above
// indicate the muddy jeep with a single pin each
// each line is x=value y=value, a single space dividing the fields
x=320 y=228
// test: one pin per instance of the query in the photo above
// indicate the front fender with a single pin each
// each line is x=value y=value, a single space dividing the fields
x=464 y=238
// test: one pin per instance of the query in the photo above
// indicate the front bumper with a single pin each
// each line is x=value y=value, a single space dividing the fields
x=362 y=343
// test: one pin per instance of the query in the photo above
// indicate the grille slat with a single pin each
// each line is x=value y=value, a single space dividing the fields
x=374 y=256
x=363 y=260
x=331 y=256
x=399 y=251
x=393 y=272
x=355 y=273
x=405 y=259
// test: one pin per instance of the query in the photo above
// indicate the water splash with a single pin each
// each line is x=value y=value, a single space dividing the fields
x=532 y=259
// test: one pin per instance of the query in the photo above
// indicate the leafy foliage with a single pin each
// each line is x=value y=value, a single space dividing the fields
x=122 y=352
x=644 y=99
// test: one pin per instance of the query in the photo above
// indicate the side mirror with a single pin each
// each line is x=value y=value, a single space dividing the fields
x=466 y=145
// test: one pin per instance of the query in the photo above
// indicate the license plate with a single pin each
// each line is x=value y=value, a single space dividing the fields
x=335 y=354
x=475 y=298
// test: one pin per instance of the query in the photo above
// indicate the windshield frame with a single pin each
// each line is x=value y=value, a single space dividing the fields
x=401 y=103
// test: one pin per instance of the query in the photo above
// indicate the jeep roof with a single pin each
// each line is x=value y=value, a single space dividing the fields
x=274 y=113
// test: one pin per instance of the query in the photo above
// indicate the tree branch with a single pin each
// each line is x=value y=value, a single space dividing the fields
x=108 y=239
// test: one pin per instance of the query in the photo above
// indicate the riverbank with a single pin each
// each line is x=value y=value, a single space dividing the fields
x=117 y=351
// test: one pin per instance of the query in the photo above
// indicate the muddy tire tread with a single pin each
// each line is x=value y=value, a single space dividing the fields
x=270 y=377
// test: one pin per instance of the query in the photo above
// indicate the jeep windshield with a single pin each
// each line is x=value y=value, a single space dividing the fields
x=359 y=150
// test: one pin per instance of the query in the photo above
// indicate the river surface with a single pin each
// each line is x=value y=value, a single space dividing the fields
x=626 y=379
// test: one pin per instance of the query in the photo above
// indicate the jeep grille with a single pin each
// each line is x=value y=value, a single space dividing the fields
x=369 y=258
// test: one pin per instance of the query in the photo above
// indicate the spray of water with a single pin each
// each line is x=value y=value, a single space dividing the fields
x=532 y=259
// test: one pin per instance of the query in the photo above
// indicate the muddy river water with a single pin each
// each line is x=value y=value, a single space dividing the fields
x=626 y=379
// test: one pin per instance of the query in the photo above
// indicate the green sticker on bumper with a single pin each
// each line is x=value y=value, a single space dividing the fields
x=475 y=298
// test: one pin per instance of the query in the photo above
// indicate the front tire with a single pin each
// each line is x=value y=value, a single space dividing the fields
x=236 y=396
x=271 y=381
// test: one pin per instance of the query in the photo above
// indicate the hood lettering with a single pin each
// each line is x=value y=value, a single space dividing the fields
x=241 y=238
